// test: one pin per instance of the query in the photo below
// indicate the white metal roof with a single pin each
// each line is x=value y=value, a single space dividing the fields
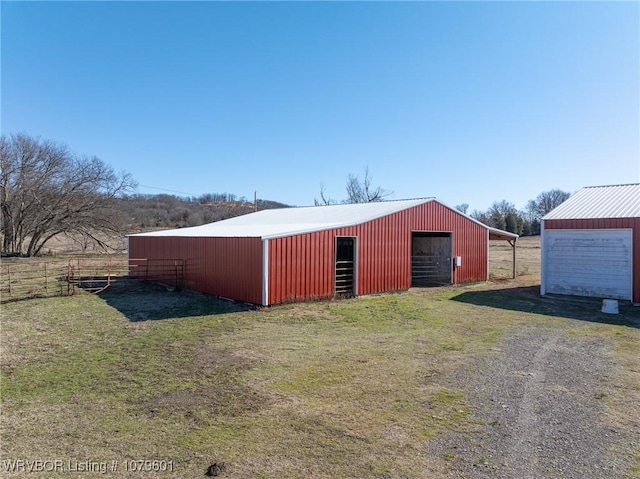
x=281 y=222
x=276 y=223
x=615 y=201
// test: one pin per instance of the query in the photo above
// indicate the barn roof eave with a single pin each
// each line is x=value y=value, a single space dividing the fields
x=496 y=234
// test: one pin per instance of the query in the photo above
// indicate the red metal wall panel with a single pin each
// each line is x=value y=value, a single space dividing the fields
x=383 y=254
x=608 y=223
x=301 y=267
x=229 y=267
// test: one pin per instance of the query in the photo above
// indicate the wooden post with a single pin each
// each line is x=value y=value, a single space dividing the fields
x=513 y=246
x=46 y=283
x=9 y=277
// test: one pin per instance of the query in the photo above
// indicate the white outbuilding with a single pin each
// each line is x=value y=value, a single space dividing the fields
x=591 y=244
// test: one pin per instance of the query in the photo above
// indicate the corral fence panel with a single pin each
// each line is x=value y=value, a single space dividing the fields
x=22 y=280
x=33 y=279
x=96 y=275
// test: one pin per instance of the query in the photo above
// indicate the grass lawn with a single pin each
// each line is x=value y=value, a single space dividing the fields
x=349 y=388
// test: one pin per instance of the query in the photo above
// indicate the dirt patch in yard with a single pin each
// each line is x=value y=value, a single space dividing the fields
x=222 y=399
x=209 y=358
x=218 y=388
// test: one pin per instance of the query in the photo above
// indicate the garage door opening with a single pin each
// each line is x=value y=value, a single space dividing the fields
x=431 y=263
x=588 y=262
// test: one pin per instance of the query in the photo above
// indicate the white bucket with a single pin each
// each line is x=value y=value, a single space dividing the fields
x=610 y=306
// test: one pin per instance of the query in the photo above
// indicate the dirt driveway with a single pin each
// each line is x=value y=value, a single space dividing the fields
x=543 y=407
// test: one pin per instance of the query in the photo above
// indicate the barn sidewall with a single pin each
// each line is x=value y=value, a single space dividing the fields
x=301 y=267
x=226 y=267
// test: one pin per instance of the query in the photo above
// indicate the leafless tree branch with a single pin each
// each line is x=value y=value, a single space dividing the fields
x=45 y=189
x=357 y=191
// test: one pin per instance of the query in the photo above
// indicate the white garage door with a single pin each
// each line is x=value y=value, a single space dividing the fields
x=593 y=263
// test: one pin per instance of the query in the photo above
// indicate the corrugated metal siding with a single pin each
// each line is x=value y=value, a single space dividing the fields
x=604 y=223
x=229 y=267
x=302 y=266
x=615 y=201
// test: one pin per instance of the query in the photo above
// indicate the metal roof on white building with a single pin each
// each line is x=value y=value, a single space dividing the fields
x=615 y=201
x=281 y=222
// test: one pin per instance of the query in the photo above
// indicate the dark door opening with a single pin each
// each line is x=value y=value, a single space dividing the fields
x=345 y=267
x=431 y=254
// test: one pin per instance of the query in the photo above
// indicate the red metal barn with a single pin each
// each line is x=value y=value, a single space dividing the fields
x=296 y=254
x=591 y=244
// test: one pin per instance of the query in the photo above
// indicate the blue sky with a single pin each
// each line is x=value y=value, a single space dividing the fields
x=467 y=102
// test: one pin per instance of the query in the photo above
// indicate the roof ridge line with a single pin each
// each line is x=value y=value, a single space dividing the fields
x=611 y=186
x=425 y=198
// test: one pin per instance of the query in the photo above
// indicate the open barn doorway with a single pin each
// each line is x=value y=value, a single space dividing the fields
x=345 y=267
x=431 y=263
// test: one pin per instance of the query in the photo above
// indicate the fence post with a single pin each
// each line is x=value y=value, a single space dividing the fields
x=9 y=277
x=46 y=282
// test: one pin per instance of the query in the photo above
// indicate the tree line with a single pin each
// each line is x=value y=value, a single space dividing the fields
x=146 y=212
x=526 y=222
x=46 y=189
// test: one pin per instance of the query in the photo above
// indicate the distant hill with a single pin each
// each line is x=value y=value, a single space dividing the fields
x=168 y=211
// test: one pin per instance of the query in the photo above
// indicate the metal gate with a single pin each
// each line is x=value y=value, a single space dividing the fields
x=345 y=267
x=96 y=275
x=431 y=258
x=430 y=270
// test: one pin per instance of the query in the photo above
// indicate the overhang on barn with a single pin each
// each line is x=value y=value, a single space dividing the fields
x=296 y=254
x=591 y=244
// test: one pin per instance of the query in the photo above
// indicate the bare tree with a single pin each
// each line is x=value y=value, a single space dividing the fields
x=357 y=191
x=324 y=199
x=463 y=208
x=480 y=216
x=531 y=211
x=45 y=190
x=550 y=200
x=504 y=215
x=364 y=192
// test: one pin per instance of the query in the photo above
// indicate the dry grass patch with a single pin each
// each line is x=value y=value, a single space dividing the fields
x=527 y=258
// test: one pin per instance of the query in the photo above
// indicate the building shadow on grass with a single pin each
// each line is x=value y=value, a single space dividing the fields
x=527 y=299
x=153 y=302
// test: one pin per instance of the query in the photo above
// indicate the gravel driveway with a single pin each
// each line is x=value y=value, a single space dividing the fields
x=539 y=403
